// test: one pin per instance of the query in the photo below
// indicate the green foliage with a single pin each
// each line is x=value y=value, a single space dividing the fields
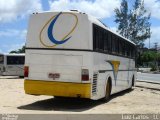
x=149 y=59
x=134 y=23
x=22 y=50
x=158 y=56
x=153 y=67
x=122 y=18
x=148 y=56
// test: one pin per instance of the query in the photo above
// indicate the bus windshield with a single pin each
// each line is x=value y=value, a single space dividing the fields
x=15 y=60
x=1 y=59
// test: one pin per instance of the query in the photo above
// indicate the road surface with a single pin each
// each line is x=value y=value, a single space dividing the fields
x=148 y=77
x=143 y=99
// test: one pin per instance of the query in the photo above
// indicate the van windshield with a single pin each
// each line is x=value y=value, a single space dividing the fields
x=1 y=59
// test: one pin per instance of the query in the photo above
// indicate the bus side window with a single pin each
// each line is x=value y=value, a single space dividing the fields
x=132 y=52
x=106 y=41
x=131 y=47
x=9 y=60
x=1 y=58
x=120 y=46
x=15 y=60
x=94 y=37
x=117 y=45
x=127 y=49
x=97 y=38
x=109 y=42
x=123 y=48
x=113 y=44
x=22 y=59
x=101 y=39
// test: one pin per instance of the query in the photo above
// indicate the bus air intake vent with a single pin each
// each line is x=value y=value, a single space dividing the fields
x=94 y=84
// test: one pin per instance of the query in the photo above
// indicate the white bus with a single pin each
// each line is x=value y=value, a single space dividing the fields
x=72 y=54
x=12 y=64
x=1 y=63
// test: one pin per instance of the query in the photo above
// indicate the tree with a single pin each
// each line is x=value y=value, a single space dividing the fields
x=133 y=24
x=148 y=56
x=21 y=50
x=122 y=18
x=149 y=59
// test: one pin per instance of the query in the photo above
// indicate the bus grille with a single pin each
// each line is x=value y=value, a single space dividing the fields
x=94 y=84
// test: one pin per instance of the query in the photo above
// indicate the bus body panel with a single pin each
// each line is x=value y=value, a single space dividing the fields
x=53 y=88
x=99 y=63
x=1 y=69
x=123 y=80
x=13 y=70
x=73 y=23
x=66 y=63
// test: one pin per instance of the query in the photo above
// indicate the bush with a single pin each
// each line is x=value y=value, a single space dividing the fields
x=153 y=67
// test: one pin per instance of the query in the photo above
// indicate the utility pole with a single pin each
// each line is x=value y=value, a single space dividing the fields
x=149 y=40
x=149 y=43
x=156 y=48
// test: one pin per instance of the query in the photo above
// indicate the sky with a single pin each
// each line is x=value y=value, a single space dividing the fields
x=15 y=15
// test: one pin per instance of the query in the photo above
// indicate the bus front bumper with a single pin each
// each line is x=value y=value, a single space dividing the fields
x=64 y=89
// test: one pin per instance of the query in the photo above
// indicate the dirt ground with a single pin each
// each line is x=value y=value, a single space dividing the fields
x=145 y=98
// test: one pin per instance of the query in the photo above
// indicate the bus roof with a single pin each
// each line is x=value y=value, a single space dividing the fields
x=15 y=54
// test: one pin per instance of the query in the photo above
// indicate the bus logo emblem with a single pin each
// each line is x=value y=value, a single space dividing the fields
x=51 y=22
x=115 y=66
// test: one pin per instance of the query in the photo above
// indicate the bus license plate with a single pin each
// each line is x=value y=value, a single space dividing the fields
x=54 y=75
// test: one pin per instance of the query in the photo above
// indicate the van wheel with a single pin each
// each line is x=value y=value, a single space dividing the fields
x=108 y=91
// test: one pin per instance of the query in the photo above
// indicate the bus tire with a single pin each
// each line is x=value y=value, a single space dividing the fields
x=21 y=76
x=133 y=82
x=108 y=90
x=57 y=97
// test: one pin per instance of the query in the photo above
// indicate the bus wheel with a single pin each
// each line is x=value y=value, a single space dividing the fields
x=133 y=82
x=108 y=91
x=57 y=97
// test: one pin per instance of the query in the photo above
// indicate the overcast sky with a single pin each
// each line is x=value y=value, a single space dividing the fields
x=14 y=17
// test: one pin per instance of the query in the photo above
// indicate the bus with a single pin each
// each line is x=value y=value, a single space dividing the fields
x=12 y=64
x=1 y=63
x=72 y=54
